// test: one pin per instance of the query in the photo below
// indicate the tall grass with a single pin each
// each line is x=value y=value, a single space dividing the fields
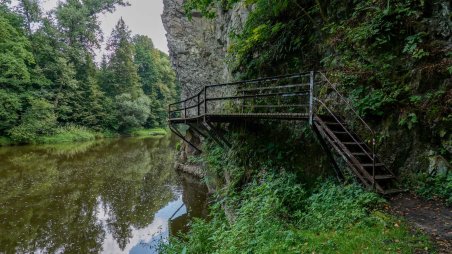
x=69 y=133
x=148 y=132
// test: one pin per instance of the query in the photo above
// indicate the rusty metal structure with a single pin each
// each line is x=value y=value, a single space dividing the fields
x=308 y=97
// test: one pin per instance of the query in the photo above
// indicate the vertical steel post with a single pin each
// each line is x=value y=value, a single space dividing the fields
x=243 y=102
x=373 y=163
x=205 y=102
x=199 y=105
x=185 y=109
x=311 y=96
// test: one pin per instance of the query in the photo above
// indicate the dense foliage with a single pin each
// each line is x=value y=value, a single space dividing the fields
x=394 y=63
x=275 y=212
x=392 y=57
x=50 y=83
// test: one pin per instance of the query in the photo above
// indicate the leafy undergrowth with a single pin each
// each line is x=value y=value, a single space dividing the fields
x=4 y=141
x=148 y=132
x=435 y=186
x=275 y=214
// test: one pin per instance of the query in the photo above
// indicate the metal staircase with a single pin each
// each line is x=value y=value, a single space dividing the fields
x=302 y=97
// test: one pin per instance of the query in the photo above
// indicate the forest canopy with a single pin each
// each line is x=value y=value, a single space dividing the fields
x=50 y=81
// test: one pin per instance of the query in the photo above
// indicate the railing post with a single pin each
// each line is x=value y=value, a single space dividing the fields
x=311 y=97
x=373 y=163
x=169 y=111
x=205 y=102
x=185 y=109
x=199 y=105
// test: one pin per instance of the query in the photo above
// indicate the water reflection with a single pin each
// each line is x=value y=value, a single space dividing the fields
x=111 y=196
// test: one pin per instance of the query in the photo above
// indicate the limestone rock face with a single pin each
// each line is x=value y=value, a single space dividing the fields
x=198 y=47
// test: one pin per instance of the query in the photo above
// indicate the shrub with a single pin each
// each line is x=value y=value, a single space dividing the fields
x=337 y=207
x=437 y=185
x=265 y=222
x=10 y=106
x=132 y=113
x=38 y=120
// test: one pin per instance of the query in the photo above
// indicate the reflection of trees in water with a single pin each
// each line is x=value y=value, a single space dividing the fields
x=50 y=197
x=195 y=199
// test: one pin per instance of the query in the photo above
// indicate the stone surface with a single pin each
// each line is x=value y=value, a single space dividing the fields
x=198 y=47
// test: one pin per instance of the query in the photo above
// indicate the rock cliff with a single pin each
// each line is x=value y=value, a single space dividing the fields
x=198 y=47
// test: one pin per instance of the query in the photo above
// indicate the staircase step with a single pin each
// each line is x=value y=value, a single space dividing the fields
x=383 y=177
x=360 y=154
x=352 y=143
x=332 y=123
x=340 y=132
x=371 y=164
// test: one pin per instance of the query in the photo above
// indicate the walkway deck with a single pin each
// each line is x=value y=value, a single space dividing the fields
x=339 y=128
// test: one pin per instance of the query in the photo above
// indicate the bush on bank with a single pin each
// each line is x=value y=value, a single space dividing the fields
x=274 y=212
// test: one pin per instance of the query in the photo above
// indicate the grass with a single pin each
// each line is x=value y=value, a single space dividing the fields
x=70 y=133
x=74 y=133
x=148 y=132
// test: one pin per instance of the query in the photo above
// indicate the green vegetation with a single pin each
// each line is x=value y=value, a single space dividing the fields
x=274 y=213
x=148 y=132
x=52 y=90
x=434 y=186
x=392 y=57
x=70 y=133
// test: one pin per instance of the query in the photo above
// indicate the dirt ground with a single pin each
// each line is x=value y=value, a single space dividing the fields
x=431 y=216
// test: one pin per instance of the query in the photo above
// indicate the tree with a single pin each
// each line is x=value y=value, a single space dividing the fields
x=48 y=77
x=144 y=59
x=78 y=20
x=124 y=78
x=15 y=55
x=132 y=113
x=38 y=120
x=31 y=11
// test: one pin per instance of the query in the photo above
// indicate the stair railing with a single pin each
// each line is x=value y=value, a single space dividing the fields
x=354 y=118
x=209 y=98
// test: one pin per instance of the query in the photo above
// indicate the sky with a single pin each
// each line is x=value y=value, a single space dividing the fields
x=142 y=17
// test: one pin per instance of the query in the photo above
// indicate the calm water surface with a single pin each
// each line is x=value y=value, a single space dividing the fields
x=109 y=196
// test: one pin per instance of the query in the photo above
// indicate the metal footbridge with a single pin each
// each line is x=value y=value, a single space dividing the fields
x=308 y=97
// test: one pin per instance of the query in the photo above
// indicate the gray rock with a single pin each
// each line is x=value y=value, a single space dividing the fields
x=198 y=47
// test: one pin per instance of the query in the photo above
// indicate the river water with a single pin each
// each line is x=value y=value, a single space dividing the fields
x=108 y=196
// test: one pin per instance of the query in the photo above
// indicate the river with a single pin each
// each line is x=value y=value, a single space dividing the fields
x=106 y=196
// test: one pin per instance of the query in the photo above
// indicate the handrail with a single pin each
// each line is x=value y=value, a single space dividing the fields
x=372 y=132
x=278 y=90
x=196 y=100
x=261 y=79
x=340 y=123
x=347 y=102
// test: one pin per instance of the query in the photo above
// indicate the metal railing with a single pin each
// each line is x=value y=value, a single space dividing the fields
x=309 y=94
x=340 y=105
x=272 y=95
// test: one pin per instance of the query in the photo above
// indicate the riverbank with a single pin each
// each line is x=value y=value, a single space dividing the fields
x=78 y=134
x=262 y=207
